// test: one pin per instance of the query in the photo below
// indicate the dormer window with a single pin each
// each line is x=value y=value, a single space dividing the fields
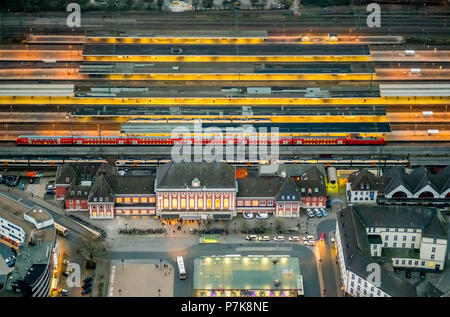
x=195 y=183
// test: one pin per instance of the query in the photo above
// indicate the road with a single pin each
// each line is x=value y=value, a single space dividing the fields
x=183 y=288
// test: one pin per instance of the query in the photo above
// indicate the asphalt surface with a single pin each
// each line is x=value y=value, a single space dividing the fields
x=225 y=50
x=183 y=288
x=228 y=111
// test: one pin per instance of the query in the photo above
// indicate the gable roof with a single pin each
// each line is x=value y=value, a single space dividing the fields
x=310 y=179
x=214 y=175
x=262 y=186
x=417 y=179
x=428 y=219
x=288 y=191
x=364 y=178
x=122 y=185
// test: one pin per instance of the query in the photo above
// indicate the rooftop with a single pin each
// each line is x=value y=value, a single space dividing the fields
x=428 y=219
x=214 y=175
x=246 y=273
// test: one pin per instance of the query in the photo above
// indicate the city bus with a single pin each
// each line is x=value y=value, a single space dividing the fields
x=61 y=230
x=181 y=269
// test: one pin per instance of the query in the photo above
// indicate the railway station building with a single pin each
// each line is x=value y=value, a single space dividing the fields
x=189 y=191
x=121 y=195
x=363 y=187
x=247 y=276
x=195 y=191
x=419 y=186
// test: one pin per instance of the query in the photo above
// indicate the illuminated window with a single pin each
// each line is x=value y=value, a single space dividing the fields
x=191 y=203
x=119 y=200
x=108 y=213
x=183 y=203
x=127 y=212
x=217 y=206
x=135 y=199
x=94 y=214
x=144 y=199
x=254 y=203
x=200 y=203
x=127 y=200
x=119 y=211
x=240 y=203
x=174 y=203
x=225 y=203
x=135 y=212
x=166 y=203
x=208 y=203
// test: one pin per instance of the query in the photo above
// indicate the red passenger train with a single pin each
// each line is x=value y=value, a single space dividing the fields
x=168 y=140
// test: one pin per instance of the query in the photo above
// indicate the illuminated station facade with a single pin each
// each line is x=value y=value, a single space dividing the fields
x=181 y=191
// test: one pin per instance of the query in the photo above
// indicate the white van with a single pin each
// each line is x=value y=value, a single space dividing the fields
x=309 y=237
x=262 y=216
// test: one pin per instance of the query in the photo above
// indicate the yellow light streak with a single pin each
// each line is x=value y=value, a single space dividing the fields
x=43 y=100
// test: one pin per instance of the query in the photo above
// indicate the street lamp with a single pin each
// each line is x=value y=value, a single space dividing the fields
x=120 y=292
x=122 y=264
x=159 y=292
x=126 y=227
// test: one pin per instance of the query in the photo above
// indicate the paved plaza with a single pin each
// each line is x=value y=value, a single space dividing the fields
x=141 y=278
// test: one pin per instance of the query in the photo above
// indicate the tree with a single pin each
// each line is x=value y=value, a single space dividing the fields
x=262 y=225
x=278 y=225
x=92 y=250
x=244 y=227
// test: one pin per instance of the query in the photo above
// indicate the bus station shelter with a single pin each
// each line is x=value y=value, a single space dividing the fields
x=252 y=276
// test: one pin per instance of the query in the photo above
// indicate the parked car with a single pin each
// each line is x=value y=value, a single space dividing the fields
x=86 y=291
x=66 y=262
x=66 y=273
x=322 y=236
x=308 y=237
x=318 y=213
x=310 y=213
x=310 y=242
x=247 y=216
x=251 y=237
x=86 y=286
x=294 y=239
x=262 y=216
x=422 y=275
x=324 y=212
x=408 y=274
x=88 y=279
x=279 y=238
x=51 y=187
x=64 y=292
x=264 y=238
x=332 y=240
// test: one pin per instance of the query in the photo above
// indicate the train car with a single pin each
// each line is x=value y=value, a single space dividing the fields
x=298 y=140
x=44 y=140
x=149 y=140
x=357 y=140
